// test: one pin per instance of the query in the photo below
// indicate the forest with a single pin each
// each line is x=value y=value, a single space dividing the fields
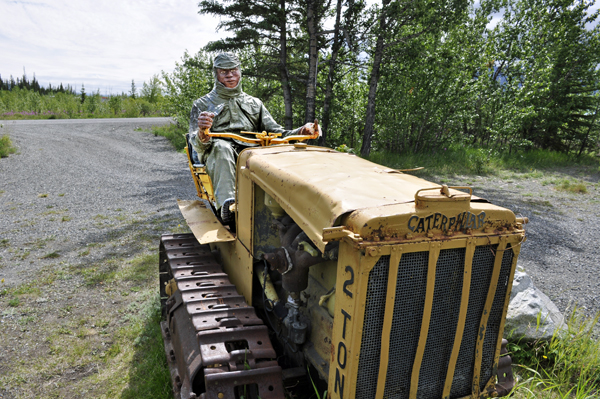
x=416 y=76
x=26 y=98
x=396 y=77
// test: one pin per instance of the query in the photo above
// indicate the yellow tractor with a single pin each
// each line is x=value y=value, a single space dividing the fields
x=382 y=284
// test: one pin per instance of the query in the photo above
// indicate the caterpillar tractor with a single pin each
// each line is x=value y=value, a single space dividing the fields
x=375 y=282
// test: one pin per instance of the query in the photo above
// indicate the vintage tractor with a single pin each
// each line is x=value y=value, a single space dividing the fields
x=382 y=284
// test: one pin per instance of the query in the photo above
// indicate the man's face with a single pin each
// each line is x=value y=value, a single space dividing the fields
x=229 y=77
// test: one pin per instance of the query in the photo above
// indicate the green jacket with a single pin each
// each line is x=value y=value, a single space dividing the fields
x=240 y=112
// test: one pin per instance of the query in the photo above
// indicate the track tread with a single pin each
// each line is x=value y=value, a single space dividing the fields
x=219 y=315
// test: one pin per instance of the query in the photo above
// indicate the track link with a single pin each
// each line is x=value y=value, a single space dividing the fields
x=216 y=346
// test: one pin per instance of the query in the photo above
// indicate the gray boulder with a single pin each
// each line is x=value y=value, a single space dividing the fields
x=531 y=314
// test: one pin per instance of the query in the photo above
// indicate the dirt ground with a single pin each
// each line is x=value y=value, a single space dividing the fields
x=83 y=204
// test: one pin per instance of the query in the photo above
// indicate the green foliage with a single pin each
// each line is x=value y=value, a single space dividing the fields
x=20 y=103
x=573 y=187
x=115 y=103
x=567 y=366
x=174 y=133
x=152 y=91
x=459 y=159
x=6 y=146
x=191 y=79
x=131 y=108
x=544 y=75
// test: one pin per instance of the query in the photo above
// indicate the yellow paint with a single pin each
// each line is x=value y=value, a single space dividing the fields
x=203 y=222
x=486 y=313
x=434 y=253
x=462 y=317
x=201 y=179
x=388 y=319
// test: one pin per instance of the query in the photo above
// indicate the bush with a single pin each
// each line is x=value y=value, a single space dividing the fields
x=6 y=146
x=132 y=108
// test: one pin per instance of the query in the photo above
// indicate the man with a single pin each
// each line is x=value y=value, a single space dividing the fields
x=228 y=109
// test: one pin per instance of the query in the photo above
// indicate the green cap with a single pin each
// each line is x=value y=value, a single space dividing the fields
x=226 y=61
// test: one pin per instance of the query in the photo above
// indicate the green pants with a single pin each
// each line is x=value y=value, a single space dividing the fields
x=220 y=161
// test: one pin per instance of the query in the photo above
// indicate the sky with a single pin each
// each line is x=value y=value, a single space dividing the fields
x=103 y=44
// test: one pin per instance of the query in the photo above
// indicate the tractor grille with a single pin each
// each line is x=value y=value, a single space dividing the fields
x=408 y=313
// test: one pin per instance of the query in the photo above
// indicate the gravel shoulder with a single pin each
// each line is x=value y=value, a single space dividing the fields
x=72 y=179
x=83 y=203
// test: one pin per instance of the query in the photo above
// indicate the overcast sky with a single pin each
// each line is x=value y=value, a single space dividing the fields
x=103 y=44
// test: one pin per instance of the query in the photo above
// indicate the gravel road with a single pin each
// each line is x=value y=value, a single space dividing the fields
x=71 y=173
x=71 y=177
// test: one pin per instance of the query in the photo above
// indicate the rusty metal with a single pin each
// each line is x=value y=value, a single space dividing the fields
x=291 y=261
x=506 y=380
x=215 y=344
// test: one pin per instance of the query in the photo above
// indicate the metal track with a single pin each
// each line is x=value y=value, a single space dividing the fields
x=216 y=346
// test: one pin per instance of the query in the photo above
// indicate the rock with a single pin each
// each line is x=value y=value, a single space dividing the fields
x=527 y=304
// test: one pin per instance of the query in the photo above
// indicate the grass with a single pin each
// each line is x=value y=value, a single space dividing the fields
x=567 y=366
x=174 y=133
x=6 y=146
x=479 y=161
x=572 y=187
x=110 y=351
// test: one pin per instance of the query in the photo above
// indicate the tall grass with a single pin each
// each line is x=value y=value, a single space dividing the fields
x=480 y=161
x=174 y=133
x=567 y=366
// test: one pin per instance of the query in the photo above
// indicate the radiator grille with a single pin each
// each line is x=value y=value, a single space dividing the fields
x=406 y=324
x=368 y=363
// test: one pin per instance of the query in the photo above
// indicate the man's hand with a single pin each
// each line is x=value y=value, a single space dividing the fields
x=311 y=129
x=205 y=121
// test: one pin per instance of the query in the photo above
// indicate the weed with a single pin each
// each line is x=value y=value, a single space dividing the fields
x=573 y=187
x=173 y=133
x=45 y=195
x=61 y=194
x=65 y=218
x=64 y=330
x=24 y=255
x=6 y=146
x=84 y=253
x=568 y=364
x=27 y=289
x=26 y=319
x=51 y=255
x=14 y=302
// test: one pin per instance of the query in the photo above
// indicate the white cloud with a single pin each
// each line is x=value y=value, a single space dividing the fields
x=103 y=44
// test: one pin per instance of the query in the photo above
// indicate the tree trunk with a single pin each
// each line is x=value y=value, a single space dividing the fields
x=329 y=87
x=283 y=70
x=313 y=59
x=373 y=80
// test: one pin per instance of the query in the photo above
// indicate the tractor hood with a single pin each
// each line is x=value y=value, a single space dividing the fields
x=317 y=186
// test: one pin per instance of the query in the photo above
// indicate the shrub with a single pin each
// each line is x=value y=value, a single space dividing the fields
x=6 y=146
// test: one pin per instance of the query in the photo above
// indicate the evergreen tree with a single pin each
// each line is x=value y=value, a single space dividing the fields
x=82 y=93
x=262 y=28
x=133 y=90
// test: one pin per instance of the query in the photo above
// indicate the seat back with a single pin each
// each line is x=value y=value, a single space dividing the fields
x=202 y=180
